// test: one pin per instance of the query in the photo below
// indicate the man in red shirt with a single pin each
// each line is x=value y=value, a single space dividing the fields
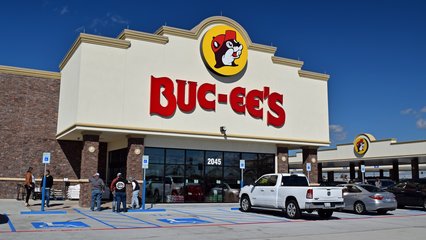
x=112 y=188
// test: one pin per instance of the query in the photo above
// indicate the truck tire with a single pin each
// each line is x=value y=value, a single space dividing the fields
x=325 y=213
x=359 y=208
x=292 y=209
x=245 y=204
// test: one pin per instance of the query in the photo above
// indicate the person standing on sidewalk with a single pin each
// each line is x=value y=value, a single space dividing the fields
x=135 y=193
x=97 y=190
x=112 y=188
x=120 y=193
x=49 y=184
x=29 y=184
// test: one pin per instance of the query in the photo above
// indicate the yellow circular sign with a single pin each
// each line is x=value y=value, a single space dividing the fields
x=361 y=145
x=224 y=50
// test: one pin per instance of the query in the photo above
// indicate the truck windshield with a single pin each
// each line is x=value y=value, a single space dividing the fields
x=295 y=181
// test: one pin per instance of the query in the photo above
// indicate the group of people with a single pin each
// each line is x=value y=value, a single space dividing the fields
x=118 y=189
x=30 y=186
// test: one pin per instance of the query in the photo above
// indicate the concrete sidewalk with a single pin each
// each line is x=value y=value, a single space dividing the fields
x=13 y=206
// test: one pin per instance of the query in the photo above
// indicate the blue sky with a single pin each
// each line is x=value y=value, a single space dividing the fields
x=375 y=51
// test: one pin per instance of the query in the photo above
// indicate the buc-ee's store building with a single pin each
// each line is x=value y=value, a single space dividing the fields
x=195 y=101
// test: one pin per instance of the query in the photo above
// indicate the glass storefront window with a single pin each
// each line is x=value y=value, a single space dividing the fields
x=232 y=159
x=179 y=175
x=156 y=155
x=175 y=156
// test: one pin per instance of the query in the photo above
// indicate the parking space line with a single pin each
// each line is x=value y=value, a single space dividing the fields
x=98 y=220
x=12 y=228
x=237 y=217
x=253 y=215
x=140 y=220
x=217 y=219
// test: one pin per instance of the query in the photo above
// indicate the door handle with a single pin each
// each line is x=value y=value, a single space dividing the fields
x=272 y=190
x=262 y=190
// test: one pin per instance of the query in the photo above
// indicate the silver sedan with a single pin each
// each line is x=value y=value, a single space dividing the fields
x=363 y=197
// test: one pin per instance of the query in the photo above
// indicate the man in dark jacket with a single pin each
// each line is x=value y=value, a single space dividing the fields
x=112 y=188
x=49 y=184
x=120 y=193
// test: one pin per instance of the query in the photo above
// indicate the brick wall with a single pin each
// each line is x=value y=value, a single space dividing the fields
x=28 y=118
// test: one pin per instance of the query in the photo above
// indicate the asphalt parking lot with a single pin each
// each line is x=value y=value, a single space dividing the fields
x=212 y=221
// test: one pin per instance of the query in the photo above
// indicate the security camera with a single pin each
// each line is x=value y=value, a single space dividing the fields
x=223 y=130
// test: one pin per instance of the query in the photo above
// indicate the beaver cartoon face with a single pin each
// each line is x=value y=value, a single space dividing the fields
x=226 y=49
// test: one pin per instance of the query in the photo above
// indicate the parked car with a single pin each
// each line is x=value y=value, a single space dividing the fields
x=292 y=193
x=229 y=194
x=193 y=192
x=385 y=183
x=361 y=198
x=173 y=188
x=332 y=184
x=410 y=193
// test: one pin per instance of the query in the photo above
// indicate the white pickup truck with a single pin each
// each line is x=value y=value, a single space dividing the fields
x=292 y=193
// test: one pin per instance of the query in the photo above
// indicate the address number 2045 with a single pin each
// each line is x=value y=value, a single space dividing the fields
x=214 y=161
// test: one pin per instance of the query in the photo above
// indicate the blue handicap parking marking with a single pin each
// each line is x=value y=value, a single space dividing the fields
x=210 y=214
x=233 y=217
x=45 y=225
x=182 y=220
x=116 y=220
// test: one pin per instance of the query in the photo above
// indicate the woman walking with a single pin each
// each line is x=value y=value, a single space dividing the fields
x=29 y=184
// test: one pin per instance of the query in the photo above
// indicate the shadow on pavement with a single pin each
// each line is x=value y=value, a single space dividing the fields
x=305 y=216
x=3 y=219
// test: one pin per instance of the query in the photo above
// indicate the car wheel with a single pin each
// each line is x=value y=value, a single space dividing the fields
x=245 y=204
x=292 y=209
x=401 y=206
x=382 y=212
x=325 y=213
x=359 y=208
x=424 y=204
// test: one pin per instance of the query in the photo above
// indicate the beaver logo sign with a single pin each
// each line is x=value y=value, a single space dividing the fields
x=224 y=50
x=361 y=144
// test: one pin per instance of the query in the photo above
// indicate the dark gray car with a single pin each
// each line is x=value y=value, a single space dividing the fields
x=362 y=198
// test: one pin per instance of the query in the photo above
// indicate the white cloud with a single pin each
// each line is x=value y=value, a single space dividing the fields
x=118 y=19
x=423 y=110
x=64 y=10
x=336 y=128
x=408 y=111
x=80 y=29
x=103 y=22
x=338 y=132
x=421 y=123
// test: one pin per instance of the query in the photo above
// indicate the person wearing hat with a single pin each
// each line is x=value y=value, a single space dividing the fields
x=120 y=193
x=112 y=188
x=97 y=189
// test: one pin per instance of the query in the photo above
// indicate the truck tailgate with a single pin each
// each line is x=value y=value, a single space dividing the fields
x=327 y=194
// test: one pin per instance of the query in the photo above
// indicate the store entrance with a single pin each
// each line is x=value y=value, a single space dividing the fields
x=197 y=176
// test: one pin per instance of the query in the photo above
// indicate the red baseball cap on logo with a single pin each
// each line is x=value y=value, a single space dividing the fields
x=218 y=41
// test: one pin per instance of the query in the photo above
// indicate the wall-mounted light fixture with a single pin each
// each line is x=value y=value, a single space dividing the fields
x=223 y=130
x=92 y=149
